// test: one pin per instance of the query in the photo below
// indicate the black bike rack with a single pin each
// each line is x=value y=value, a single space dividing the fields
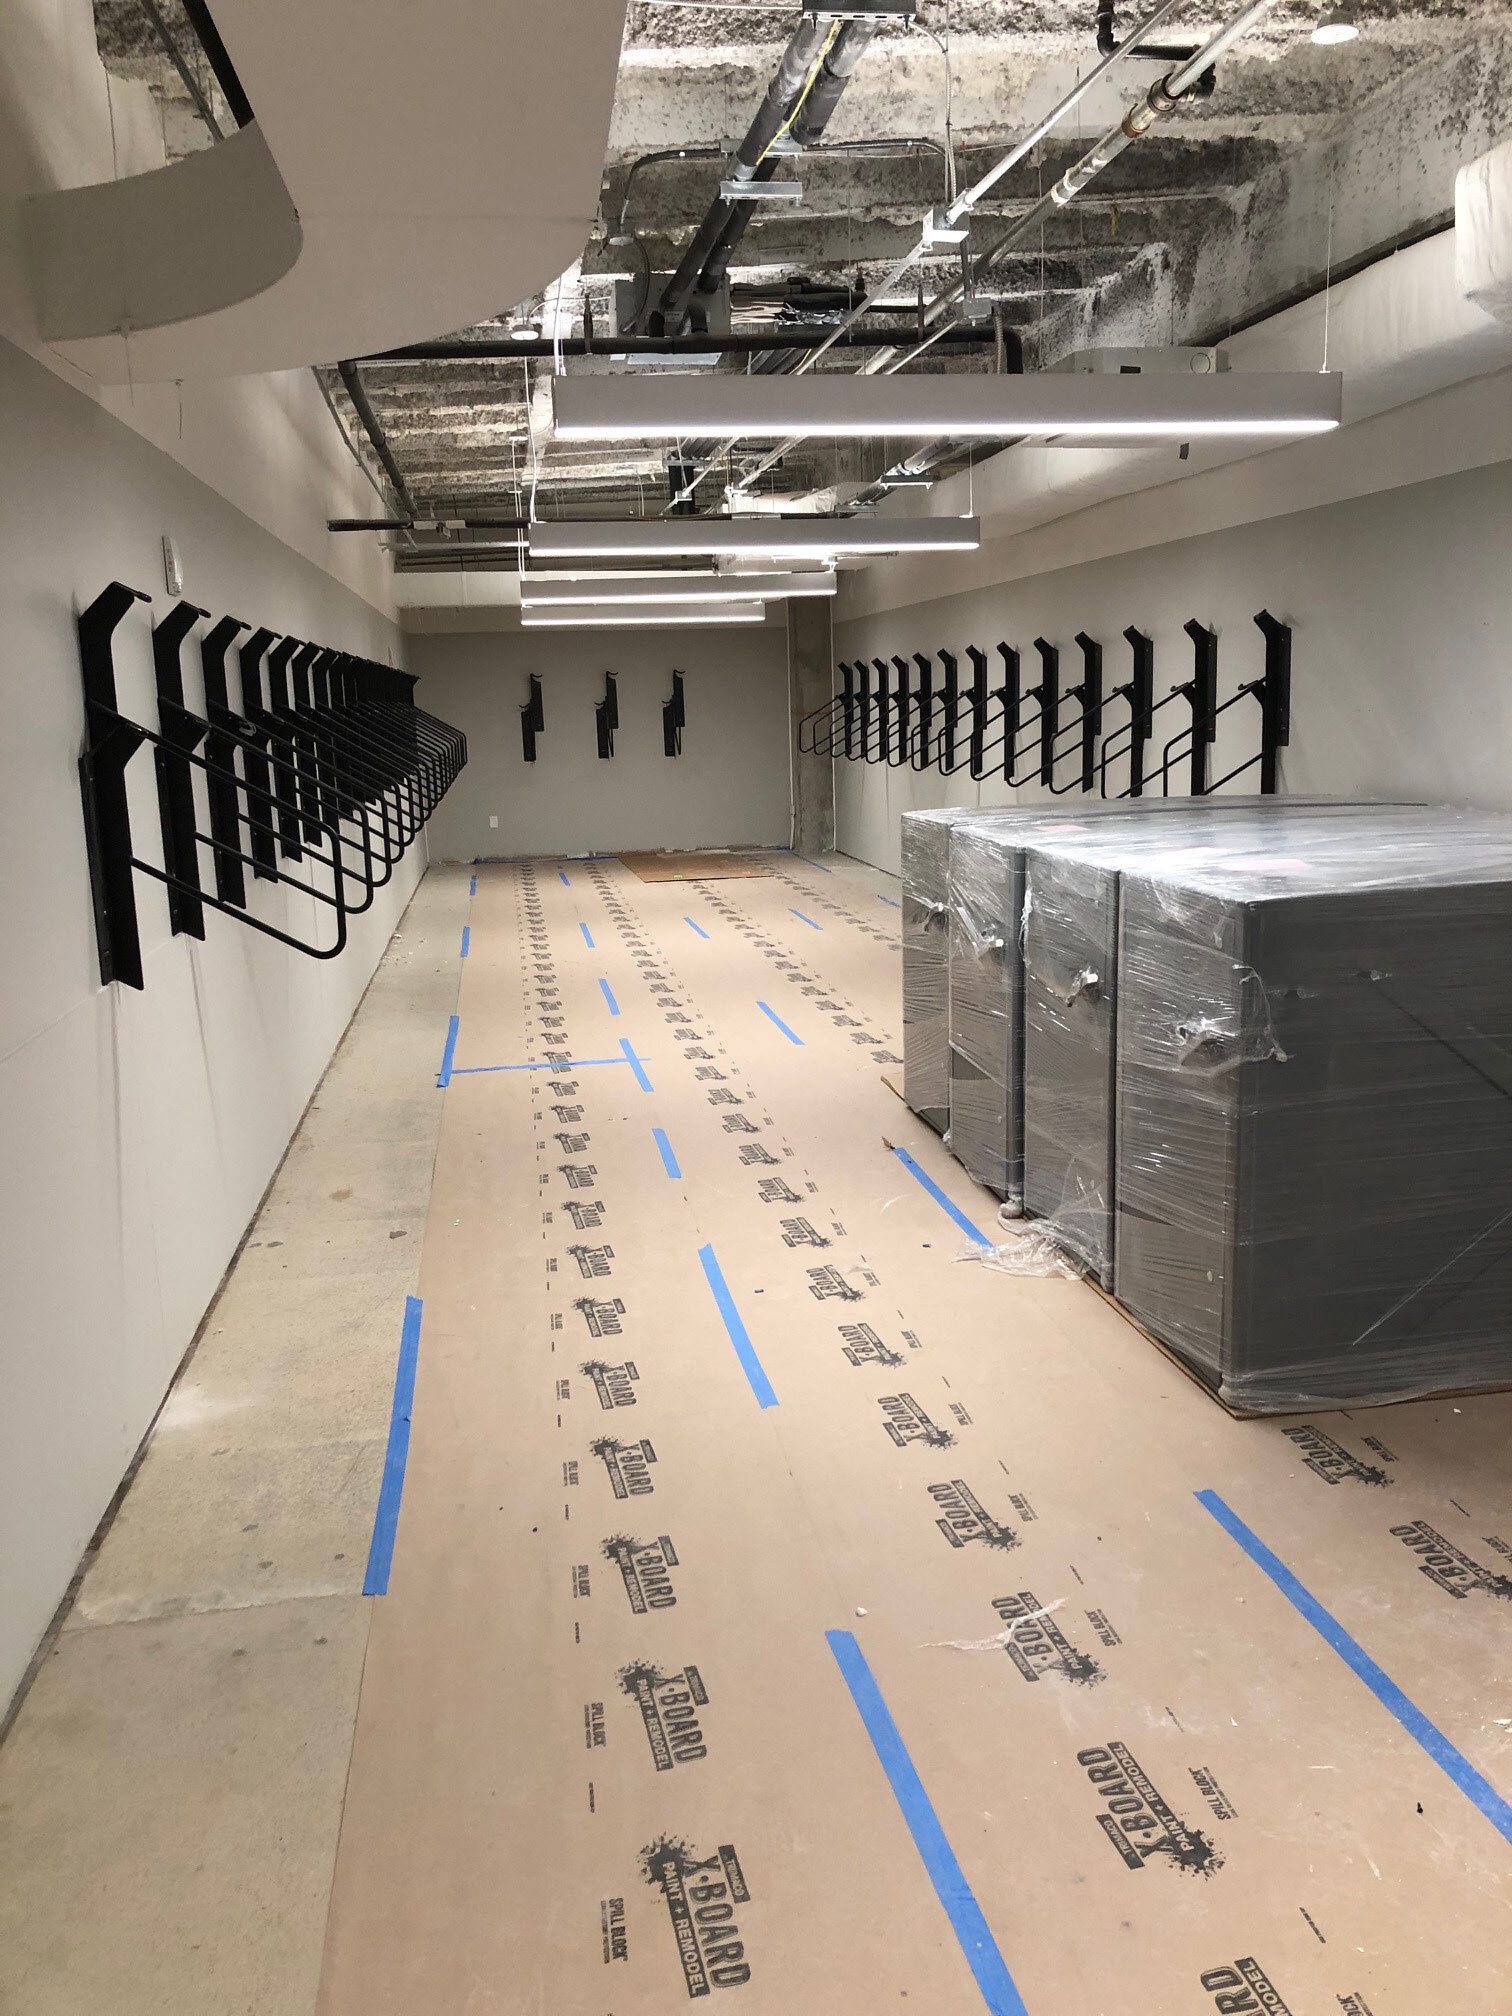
x=606 y=716
x=339 y=771
x=674 y=718
x=532 y=719
x=911 y=730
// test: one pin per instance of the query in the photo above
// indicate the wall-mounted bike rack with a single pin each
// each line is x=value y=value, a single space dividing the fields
x=335 y=769
x=674 y=718
x=532 y=719
x=924 y=727
x=606 y=716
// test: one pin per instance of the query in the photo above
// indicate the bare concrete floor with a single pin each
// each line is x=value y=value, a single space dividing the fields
x=171 y=1791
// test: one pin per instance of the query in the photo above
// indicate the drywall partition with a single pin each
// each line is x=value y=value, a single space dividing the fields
x=1401 y=604
x=728 y=788
x=139 y=1129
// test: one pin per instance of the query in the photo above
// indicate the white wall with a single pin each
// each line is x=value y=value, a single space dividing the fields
x=730 y=786
x=1402 y=652
x=139 y=1129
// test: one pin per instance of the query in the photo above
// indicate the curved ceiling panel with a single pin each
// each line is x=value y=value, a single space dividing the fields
x=443 y=161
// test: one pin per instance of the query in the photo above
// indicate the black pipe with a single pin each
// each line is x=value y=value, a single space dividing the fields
x=201 y=22
x=742 y=343
x=808 y=124
x=1154 y=52
x=809 y=41
x=363 y=405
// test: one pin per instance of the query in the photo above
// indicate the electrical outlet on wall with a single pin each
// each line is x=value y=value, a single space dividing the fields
x=173 y=567
x=493 y=818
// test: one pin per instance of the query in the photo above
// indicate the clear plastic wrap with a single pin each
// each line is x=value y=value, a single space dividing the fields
x=1314 y=1108
x=926 y=1052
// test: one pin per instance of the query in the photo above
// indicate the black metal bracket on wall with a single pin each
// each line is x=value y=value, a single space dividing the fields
x=344 y=768
x=606 y=716
x=1010 y=700
x=532 y=719
x=674 y=718
x=902 y=750
x=1201 y=690
x=1273 y=690
x=1047 y=695
x=978 y=730
x=923 y=749
x=949 y=704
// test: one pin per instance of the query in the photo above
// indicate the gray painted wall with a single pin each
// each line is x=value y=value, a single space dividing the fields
x=1402 y=668
x=730 y=787
x=140 y=1129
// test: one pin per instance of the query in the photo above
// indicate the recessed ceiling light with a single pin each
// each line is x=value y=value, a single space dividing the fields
x=1044 y=405
x=1337 y=25
x=772 y=538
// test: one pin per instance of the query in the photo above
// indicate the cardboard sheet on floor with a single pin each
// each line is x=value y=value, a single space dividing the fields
x=693 y=867
x=790 y=1611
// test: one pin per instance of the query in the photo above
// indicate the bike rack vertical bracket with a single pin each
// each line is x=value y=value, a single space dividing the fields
x=674 y=718
x=1090 y=693
x=182 y=734
x=606 y=717
x=532 y=718
x=900 y=713
x=949 y=700
x=1201 y=690
x=924 y=703
x=978 y=737
x=1273 y=690
x=1011 y=699
x=1139 y=690
x=1047 y=693
x=109 y=744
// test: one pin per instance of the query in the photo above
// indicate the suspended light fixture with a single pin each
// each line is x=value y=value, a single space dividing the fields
x=771 y=538
x=1338 y=25
x=1045 y=405
x=541 y=590
x=660 y=614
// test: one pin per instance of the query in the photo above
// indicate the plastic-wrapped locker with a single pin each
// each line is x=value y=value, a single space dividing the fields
x=985 y=967
x=926 y=1054
x=1070 y=952
x=1314 y=1134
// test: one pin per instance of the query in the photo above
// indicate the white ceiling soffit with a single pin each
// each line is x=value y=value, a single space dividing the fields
x=441 y=161
x=1152 y=405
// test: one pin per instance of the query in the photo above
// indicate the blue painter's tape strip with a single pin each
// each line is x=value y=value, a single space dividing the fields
x=664 y=1148
x=983 y=1956
x=563 y=873
x=772 y=1016
x=444 y=1075
x=635 y=1065
x=745 y=1350
x=466 y=938
x=816 y=864
x=609 y=997
x=695 y=927
x=472 y=887
x=386 y=1520
x=806 y=920
x=587 y=936
x=889 y=900
x=1478 y=1790
x=568 y=1064
x=954 y=1211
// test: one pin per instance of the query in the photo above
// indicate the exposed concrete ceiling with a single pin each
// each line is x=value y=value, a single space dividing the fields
x=1303 y=157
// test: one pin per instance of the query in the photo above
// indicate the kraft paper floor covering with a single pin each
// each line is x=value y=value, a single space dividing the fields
x=779 y=1608
x=787 y=1610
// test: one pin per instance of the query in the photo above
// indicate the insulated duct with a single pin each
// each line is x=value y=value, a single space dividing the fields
x=815 y=68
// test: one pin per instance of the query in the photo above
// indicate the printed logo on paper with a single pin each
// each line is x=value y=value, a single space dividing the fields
x=1138 y=1820
x=1244 y=1989
x=1036 y=1644
x=701 y=1894
x=646 y=1570
x=1331 y=1461
x=1448 y=1566
x=628 y=1465
x=614 y=1384
x=964 y=1518
x=906 y=1421
x=669 y=1705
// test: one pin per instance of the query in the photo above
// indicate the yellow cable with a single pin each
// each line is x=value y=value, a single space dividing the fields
x=813 y=78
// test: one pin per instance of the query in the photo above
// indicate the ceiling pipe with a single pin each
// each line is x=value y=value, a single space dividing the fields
x=961 y=207
x=1158 y=103
x=362 y=405
x=797 y=75
x=739 y=343
x=1154 y=52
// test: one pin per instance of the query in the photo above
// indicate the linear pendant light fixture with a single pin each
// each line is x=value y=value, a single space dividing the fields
x=770 y=538
x=1138 y=406
x=540 y=591
x=575 y=616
